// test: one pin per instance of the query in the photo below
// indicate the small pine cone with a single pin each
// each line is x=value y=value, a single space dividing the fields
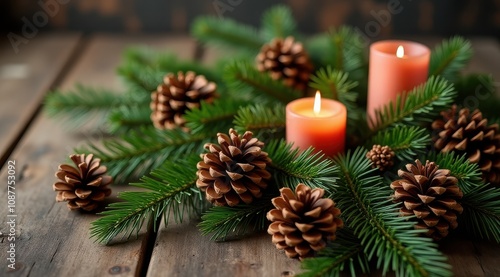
x=382 y=157
x=466 y=132
x=431 y=195
x=178 y=94
x=83 y=186
x=234 y=170
x=303 y=221
x=286 y=60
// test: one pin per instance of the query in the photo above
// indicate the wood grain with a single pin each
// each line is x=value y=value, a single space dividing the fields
x=26 y=77
x=51 y=240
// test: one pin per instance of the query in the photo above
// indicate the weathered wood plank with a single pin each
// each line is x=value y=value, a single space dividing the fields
x=26 y=77
x=50 y=239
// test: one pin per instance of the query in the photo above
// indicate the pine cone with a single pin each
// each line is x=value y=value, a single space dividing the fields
x=382 y=157
x=303 y=221
x=431 y=195
x=83 y=186
x=177 y=94
x=234 y=170
x=466 y=132
x=286 y=60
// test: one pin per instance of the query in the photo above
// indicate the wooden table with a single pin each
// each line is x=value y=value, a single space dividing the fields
x=52 y=241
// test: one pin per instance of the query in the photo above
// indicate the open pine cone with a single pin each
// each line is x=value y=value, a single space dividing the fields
x=468 y=132
x=303 y=221
x=286 y=60
x=382 y=157
x=83 y=186
x=234 y=170
x=431 y=195
x=177 y=94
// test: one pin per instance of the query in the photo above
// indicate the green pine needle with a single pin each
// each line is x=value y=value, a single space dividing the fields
x=422 y=104
x=278 y=22
x=124 y=119
x=407 y=142
x=478 y=91
x=367 y=208
x=290 y=167
x=265 y=122
x=348 y=49
x=140 y=151
x=243 y=77
x=171 y=189
x=448 y=58
x=217 y=116
x=227 y=33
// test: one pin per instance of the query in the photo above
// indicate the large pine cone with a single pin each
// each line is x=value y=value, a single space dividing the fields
x=286 y=60
x=466 y=132
x=177 y=94
x=234 y=170
x=303 y=221
x=431 y=195
x=83 y=186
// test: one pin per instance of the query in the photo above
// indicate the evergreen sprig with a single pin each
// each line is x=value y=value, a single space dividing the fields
x=278 y=22
x=265 y=122
x=138 y=152
x=478 y=91
x=171 y=190
x=290 y=167
x=416 y=107
x=407 y=142
x=128 y=118
x=448 y=58
x=212 y=117
x=348 y=49
x=374 y=218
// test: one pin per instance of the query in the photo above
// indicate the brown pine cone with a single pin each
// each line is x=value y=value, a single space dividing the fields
x=286 y=60
x=178 y=94
x=303 y=221
x=462 y=132
x=83 y=186
x=234 y=170
x=431 y=195
x=382 y=157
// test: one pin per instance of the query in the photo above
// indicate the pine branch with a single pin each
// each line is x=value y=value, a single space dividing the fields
x=265 y=122
x=227 y=33
x=422 y=104
x=124 y=119
x=319 y=49
x=348 y=49
x=345 y=252
x=171 y=188
x=481 y=215
x=140 y=151
x=478 y=91
x=407 y=142
x=290 y=167
x=213 y=117
x=222 y=222
x=448 y=58
x=374 y=219
x=243 y=77
x=278 y=22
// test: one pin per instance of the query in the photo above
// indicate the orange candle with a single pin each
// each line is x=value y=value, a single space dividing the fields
x=316 y=122
x=395 y=66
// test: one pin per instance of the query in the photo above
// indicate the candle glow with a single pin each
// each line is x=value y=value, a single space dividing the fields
x=400 y=52
x=317 y=104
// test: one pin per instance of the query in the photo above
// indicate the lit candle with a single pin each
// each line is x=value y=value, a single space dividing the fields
x=395 y=66
x=316 y=122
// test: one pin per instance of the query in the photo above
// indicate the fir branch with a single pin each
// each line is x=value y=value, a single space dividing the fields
x=124 y=119
x=226 y=33
x=278 y=22
x=243 y=77
x=374 y=218
x=448 y=58
x=422 y=104
x=478 y=91
x=290 y=167
x=407 y=142
x=140 y=151
x=171 y=188
x=236 y=221
x=344 y=252
x=319 y=48
x=261 y=120
x=213 y=117
x=481 y=215
x=348 y=49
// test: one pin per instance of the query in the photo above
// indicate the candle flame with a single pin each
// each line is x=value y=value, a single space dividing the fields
x=400 y=52
x=317 y=103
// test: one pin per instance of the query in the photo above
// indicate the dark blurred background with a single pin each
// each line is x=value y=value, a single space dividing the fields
x=426 y=17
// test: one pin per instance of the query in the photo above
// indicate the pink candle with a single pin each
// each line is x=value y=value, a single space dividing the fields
x=393 y=71
x=319 y=123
